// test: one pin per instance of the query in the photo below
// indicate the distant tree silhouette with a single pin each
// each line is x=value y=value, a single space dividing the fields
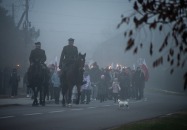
x=155 y=14
x=12 y=40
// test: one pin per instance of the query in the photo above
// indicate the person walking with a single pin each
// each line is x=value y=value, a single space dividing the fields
x=139 y=82
x=55 y=80
x=115 y=89
x=14 y=80
x=86 y=88
x=102 y=88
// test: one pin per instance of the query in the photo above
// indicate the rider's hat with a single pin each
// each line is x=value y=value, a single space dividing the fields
x=70 y=39
x=38 y=43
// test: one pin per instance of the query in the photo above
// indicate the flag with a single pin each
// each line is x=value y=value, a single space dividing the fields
x=145 y=70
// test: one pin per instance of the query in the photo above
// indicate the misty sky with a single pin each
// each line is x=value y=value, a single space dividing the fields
x=89 y=22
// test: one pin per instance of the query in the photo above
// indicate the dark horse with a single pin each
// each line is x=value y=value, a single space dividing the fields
x=38 y=78
x=73 y=76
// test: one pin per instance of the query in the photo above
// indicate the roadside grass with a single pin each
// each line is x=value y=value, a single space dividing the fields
x=176 y=121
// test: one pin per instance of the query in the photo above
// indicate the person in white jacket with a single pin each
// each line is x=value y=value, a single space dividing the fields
x=55 y=80
x=86 y=89
x=115 y=89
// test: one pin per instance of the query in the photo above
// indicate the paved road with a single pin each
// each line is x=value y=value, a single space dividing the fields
x=95 y=116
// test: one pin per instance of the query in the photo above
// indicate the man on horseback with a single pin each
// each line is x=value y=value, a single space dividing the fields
x=68 y=56
x=71 y=65
x=36 y=73
x=37 y=55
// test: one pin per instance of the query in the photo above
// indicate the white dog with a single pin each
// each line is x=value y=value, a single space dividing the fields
x=122 y=104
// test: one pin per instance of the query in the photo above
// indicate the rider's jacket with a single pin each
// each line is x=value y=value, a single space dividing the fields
x=37 y=56
x=69 y=53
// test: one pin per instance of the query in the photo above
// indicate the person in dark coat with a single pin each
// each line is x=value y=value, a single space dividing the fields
x=102 y=88
x=124 y=80
x=95 y=74
x=68 y=55
x=139 y=82
x=14 y=80
x=37 y=55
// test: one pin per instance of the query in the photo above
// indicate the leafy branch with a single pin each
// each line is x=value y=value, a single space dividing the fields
x=155 y=14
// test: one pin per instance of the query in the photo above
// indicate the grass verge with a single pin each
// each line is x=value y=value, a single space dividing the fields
x=177 y=121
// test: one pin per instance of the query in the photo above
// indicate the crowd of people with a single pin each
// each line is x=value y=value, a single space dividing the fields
x=99 y=83
x=111 y=84
x=102 y=84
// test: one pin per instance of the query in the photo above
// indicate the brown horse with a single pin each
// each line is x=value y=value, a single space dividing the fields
x=73 y=77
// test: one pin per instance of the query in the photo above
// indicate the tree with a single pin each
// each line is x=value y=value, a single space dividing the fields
x=12 y=42
x=155 y=14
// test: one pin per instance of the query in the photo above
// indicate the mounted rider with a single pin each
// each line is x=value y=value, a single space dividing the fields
x=68 y=56
x=37 y=55
x=37 y=59
x=38 y=74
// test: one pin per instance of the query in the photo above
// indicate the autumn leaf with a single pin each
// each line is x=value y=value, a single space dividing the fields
x=153 y=25
x=160 y=27
x=171 y=62
x=185 y=80
x=171 y=71
x=135 y=6
x=151 y=49
x=130 y=43
x=158 y=62
x=125 y=34
x=140 y=1
x=130 y=32
x=168 y=59
x=171 y=51
x=135 y=50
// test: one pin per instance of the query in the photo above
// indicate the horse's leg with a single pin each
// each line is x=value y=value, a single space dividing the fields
x=70 y=95
x=42 y=97
x=45 y=92
x=64 y=92
x=35 y=91
x=39 y=96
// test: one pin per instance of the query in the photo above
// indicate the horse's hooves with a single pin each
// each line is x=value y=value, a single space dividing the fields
x=42 y=103
x=34 y=105
x=69 y=105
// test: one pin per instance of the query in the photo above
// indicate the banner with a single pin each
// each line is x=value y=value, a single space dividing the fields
x=145 y=70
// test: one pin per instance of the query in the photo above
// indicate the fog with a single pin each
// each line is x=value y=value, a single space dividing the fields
x=89 y=22
x=92 y=23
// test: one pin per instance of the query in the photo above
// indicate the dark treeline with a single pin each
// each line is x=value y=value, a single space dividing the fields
x=15 y=43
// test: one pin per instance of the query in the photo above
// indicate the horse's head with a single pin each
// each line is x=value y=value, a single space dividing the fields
x=81 y=60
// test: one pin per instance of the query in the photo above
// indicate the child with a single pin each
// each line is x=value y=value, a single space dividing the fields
x=115 y=89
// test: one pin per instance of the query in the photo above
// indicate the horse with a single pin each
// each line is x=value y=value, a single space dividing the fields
x=72 y=77
x=38 y=78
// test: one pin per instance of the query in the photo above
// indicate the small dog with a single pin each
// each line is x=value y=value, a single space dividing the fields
x=122 y=104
